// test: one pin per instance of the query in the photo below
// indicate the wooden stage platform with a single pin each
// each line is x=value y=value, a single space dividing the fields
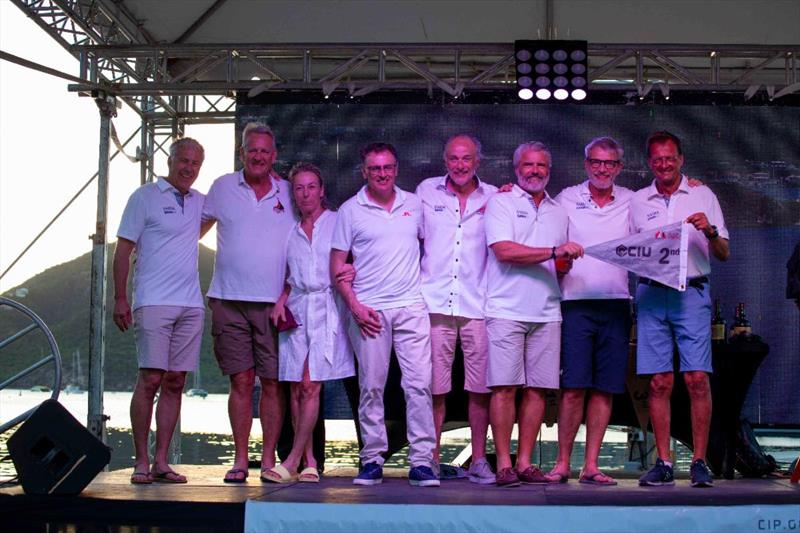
x=111 y=503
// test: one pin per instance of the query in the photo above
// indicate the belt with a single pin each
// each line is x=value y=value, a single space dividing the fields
x=694 y=282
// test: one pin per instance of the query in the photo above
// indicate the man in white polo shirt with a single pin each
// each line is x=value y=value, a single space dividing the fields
x=381 y=226
x=668 y=317
x=595 y=308
x=526 y=231
x=162 y=223
x=454 y=288
x=253 y=212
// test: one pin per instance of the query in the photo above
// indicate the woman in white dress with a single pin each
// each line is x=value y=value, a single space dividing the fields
x=318 y=348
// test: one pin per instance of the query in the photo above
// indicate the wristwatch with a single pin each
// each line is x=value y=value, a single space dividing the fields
x=714 y=235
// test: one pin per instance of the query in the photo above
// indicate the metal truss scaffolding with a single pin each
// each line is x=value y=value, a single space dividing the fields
x=172 y=85
x=358 y=69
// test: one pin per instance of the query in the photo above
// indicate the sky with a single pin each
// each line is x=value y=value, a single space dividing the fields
x=49 y=149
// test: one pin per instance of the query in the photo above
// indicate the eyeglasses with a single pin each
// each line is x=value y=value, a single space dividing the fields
x=387 y=169
x=671 y=159
x=609 y=163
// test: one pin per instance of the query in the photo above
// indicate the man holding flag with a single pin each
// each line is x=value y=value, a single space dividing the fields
x=667 y=315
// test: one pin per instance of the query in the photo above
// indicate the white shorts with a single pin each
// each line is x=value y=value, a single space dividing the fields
x=526 y=354
x=168 y=337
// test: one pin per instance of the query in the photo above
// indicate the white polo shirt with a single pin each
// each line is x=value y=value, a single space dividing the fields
x=454 y=263
x=251 y=238
x=650 y=209
x=166 y=234
x=526 y=293
x=385 y=248
x=590 y=224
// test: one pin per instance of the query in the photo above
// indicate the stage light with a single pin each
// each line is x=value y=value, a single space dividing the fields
x=525 y=94
x=552 y=68
x=578 y=94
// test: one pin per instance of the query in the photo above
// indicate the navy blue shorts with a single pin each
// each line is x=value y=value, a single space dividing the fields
x=595 y=337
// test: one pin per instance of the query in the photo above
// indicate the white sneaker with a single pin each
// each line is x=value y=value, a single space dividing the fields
x=481 y=473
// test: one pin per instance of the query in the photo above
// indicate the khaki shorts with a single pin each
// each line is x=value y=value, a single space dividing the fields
x=244 y=337
x=168 y=337
x=445 y=329
x=523 y=353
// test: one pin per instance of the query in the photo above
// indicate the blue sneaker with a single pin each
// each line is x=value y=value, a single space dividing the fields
x=370 y=474
x=446 y=471
x=660 y=474
x=700 y=475
x=422 y=476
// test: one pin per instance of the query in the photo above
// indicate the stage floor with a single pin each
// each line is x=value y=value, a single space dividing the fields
x=206 y=503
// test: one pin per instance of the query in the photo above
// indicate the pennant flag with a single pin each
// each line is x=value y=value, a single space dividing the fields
x=659 y=254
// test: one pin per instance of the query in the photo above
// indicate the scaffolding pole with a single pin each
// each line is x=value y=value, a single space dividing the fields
x=96 y=420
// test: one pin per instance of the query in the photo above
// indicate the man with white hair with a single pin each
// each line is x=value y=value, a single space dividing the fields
x=526 y=231
x=253 y=212
x=454 y=286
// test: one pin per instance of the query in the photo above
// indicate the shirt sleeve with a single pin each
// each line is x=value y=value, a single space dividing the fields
x=499 y=224
x=343 y=230
x=714 y=216
x=209 y=209
x=134 y=218
x=419 y=194
x=420 y=219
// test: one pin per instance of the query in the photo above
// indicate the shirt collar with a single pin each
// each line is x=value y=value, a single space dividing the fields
x=442 y=184
x=274 y=190
x=522 y=193
x=363 y=199
x=587 y=192
x=164 y=186
x=683 y=187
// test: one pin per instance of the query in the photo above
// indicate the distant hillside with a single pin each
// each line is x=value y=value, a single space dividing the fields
x=60 y=296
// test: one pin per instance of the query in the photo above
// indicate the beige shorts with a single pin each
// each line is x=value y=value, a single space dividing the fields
x=168 y=337
x=445 y=329
x=523 y=353
x=244 y=337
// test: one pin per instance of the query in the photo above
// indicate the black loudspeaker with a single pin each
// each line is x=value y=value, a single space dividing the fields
x=54 y=453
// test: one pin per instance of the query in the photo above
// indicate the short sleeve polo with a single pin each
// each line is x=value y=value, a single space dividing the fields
x=166 y=235
x=527 y=293
x=250 y=264
x=385 y=247
x=650 y=209
x=590 y=224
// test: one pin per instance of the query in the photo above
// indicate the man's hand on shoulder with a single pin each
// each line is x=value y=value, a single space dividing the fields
x=693 y=182
x=507 y=187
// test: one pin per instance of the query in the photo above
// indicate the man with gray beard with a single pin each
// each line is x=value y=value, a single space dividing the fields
x=526 y=231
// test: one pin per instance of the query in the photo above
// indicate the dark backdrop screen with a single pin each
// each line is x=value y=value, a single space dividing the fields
x=749 y=156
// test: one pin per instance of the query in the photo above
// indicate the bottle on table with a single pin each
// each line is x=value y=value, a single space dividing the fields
x=719 y=327
x=741 y=325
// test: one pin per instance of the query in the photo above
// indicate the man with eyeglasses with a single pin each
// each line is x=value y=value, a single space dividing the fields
x=526 y=231
x=595 y=308
x=667 y=317
x=381 y=225
x=454 y=287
